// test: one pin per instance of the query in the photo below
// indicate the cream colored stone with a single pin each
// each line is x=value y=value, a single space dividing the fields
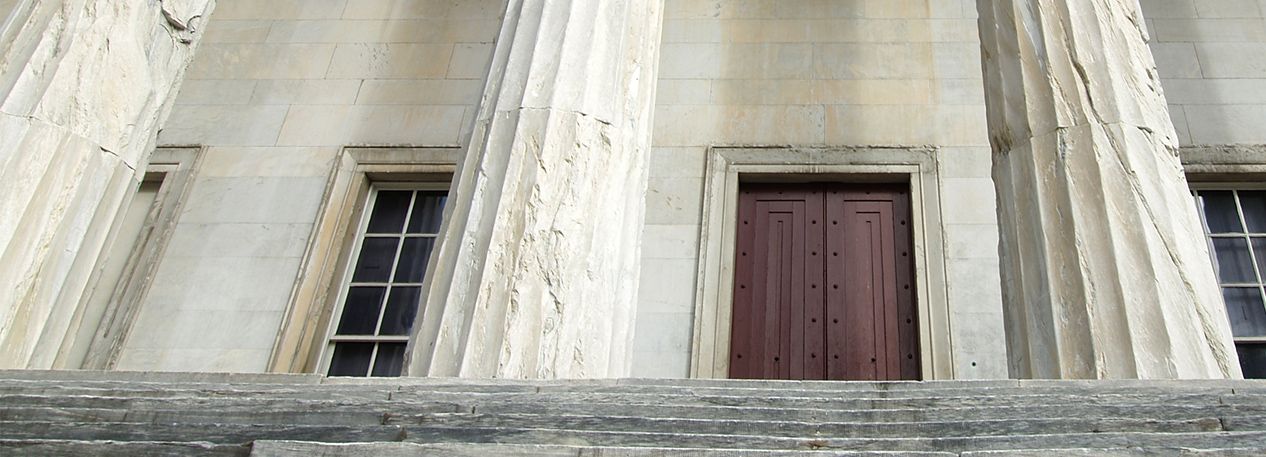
x=262 y=61
x=684 y=125
x=667 y=286
x=216 y=92
x=306 y=92
x=280 y=9
x=224 y=125
x=386 y=61
x=683 y=92
x=240 y=162
x=873 y=61
x=763 y=92
x=670 y=242
x=1208 y=30
x=689 y=9
x=873 y=91
x=1177 y=60
x=419 y=92
x=254 y=200
x=880 y=124
x=1232 y=60
x=673 y=200
x=470 y=61
x=238 y=31
x=1228 y=8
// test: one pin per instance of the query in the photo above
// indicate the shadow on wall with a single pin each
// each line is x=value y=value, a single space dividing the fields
x=1212 y=60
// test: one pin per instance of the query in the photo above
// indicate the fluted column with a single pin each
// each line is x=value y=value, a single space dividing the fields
x=84 y=87
x=537 y=275
x=1105 y=270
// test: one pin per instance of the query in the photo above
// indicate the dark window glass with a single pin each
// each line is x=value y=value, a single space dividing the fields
x=402 y=307
x=1219 y=211
x=413 y=256
x=1244 y=307
x=390 y=210
x=1253 y=202
x=428 y=210
x=376 y=256
x=390 y=359
x=360 y=311
x=1234 y=263
x=351 y=359
x=1259 y=250
x=1252 y=359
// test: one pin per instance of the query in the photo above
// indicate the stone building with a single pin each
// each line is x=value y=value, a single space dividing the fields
x=563 y=189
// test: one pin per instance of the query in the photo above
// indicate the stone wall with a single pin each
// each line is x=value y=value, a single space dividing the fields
x=276 y=91
x=835 y=73
x=1211 y=55
x=85 y=85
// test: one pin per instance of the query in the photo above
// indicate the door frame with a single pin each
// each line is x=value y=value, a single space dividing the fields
x=728 y=166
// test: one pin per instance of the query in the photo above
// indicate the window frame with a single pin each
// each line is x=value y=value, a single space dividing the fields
x=174 y=168
x=331 y=337
x=1235 y=187
x=301 y=343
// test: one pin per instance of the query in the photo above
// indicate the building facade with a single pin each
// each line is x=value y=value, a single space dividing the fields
x=851 y=189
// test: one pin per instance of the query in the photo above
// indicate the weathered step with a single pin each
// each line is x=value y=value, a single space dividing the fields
x=474 y=399
x=1207 y=440
x=1046 y=411
x=61 y=448
x=783 y=389
x=212 y=433
x=788 y=429
x=270 y=448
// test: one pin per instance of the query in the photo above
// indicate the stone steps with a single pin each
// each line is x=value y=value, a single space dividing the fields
x=57 y=413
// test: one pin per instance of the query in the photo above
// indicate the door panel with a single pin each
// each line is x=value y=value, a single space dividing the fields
x=822 y=277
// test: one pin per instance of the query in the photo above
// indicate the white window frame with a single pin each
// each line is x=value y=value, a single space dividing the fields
x=300 y=346
x=327 y=351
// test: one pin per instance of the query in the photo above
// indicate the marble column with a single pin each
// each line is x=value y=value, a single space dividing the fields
x=1105 y=270
x=84 y=87
x=537 y=277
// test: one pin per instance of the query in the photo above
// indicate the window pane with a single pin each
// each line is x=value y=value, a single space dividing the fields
x=351 y=359
x=390 y=359
x=428 y=209
x=360 y=311
x=390 y=210
x=1219 y=211
x=376 y=255
x=1252 y=359
x=1244 y=307
x=1259 y=250
x=1234 y=262
x=1253 y=202
x=402 y=307
x=413 y=257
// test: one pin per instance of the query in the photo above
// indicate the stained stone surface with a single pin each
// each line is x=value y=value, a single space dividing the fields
x=1105 y=270
x=85 y=86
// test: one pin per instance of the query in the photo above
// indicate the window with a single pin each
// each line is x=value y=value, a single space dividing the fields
x=1235 y=224
x=383 y=285
x=128 y=262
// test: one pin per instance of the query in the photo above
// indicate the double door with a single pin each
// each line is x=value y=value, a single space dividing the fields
x=823 y=285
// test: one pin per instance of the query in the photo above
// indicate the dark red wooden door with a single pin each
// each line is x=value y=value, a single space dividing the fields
x=822 y=284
